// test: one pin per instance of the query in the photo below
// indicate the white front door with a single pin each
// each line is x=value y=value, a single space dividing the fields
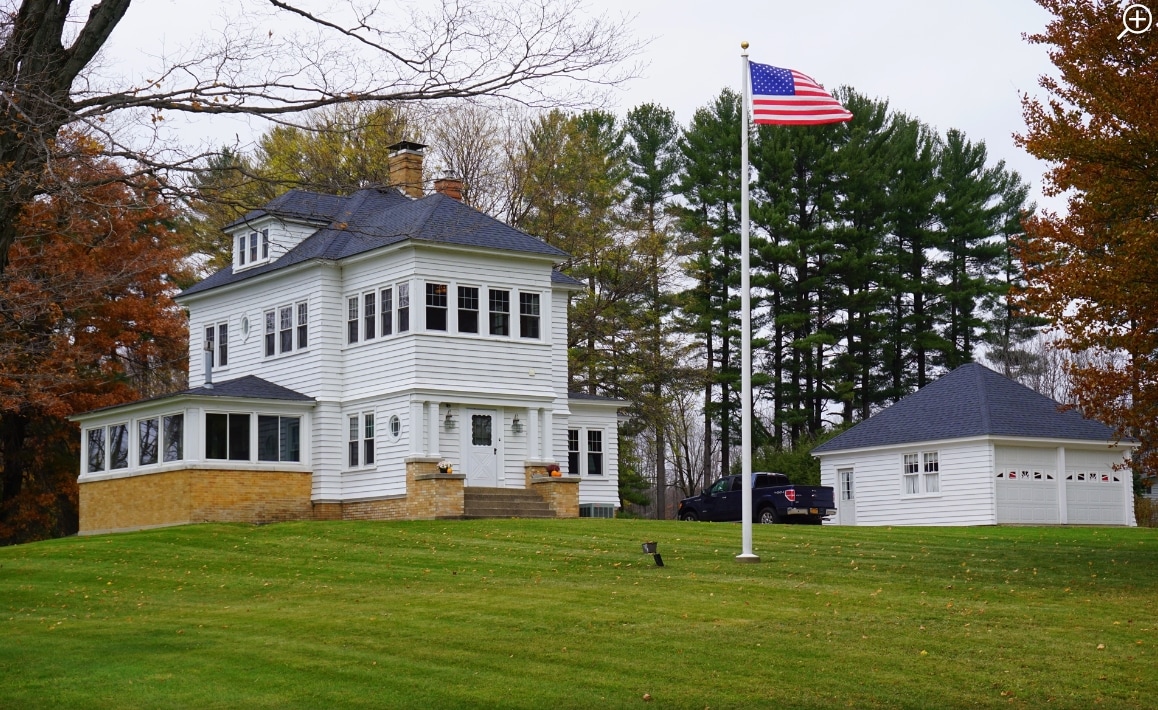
x=845 y=497
x=482 y=448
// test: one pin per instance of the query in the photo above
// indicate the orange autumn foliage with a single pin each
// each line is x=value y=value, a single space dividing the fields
x=1094 y=270
x=86 y=320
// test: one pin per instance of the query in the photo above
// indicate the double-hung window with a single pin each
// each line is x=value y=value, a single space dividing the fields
x=436 y=306
x=303 y=325
x=467 y=309
x=241 y=250
x=500 y=312
x=911 y=474
x=265 y=244
x=573 y=452
x=352 y=319
x=211 y=345
x=282 y=324
x=594 y=452
x=217 y=344
x=921 y=473
x=369 y=315
x=360 y=447
x=529 y=315
x=387 y=308
x=286 y=329
x=270 y=333
x=253 y=246
x=403 y=307
x=931 y=472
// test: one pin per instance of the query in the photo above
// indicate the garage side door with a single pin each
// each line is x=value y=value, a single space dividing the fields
x=1027 y=486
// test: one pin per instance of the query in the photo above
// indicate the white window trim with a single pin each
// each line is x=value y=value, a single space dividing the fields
x=542 y=300
x=265 y=249
x=584 y=451
x=361 y=415
x=216 y=326
x=921 y=474
x=295 y=347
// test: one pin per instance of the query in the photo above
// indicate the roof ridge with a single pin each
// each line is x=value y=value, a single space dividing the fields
x=435 y=201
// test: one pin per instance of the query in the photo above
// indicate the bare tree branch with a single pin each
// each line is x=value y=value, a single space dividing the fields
x=537 y=52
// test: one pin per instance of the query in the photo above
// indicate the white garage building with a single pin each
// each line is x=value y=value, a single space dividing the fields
x=976 y=448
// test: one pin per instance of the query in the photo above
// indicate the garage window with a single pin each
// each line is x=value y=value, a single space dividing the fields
x=921 y=473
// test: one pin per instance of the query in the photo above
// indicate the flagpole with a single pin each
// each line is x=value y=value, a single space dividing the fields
x=746 y=327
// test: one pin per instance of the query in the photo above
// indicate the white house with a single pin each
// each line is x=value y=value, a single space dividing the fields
x=355 y=344
x=976 y=448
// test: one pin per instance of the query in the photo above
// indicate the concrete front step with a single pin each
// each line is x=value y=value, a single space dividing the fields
x=504 y=503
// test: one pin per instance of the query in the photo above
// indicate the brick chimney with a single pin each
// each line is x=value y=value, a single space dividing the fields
x=450 y=186
x=405 y=165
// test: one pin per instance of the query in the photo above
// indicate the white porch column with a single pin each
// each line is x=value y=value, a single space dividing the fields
x=415 y=428
x=548 y=450
x=533 y=434
x=432 y=429
x=1062 y=503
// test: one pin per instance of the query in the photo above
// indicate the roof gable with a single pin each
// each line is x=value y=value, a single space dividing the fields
x=374 y=218
x=972 y=400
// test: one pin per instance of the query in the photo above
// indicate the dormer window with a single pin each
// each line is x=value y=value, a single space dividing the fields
x=252 y=248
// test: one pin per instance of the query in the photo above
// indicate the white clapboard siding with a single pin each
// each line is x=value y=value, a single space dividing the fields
x=513 y=449
x=559 y=362
x=603 y=488
x=314 y=371
x=387 y=476
x=966 y=496
x=328 y=451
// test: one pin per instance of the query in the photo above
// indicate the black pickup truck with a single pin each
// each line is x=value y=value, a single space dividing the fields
x=774 y=500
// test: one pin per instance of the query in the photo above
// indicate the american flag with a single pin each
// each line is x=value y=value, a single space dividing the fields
x=785 y=97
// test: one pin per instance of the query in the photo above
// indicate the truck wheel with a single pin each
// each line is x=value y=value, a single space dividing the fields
x=767 y=516
x=689 y=515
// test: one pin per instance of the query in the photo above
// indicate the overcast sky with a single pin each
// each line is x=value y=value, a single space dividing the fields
x=950 y=63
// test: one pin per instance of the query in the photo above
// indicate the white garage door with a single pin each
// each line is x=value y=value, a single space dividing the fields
x=1027 y=496
x=1094 y=498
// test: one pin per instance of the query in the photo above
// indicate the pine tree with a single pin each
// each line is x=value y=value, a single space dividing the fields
x=710 y=185
x=652 y=153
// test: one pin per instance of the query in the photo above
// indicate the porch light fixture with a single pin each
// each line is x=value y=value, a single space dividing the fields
x=448 y=423
x=516 y=425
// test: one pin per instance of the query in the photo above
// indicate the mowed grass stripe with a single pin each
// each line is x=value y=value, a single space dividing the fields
x=531 y=613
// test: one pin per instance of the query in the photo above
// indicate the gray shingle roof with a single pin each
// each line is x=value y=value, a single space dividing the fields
x=561 y=279
x=374 y=218
x=248 y=387
x=972 y=400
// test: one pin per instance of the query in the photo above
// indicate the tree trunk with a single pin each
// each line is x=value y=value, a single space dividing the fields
x=13 y=430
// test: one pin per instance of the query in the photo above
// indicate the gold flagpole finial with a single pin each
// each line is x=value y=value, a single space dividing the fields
x=743 y=45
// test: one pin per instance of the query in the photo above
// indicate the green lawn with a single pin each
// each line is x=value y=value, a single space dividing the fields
x=560 y=614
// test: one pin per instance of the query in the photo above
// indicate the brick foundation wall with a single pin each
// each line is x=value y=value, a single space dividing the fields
x=197 y=496
x=194 y=496
x=561 y=493
x=430 y=494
